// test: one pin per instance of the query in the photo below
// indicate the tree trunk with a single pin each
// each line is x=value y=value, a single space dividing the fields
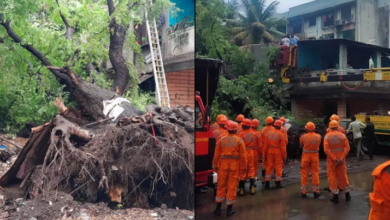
x=88 y=96
x=117 y=38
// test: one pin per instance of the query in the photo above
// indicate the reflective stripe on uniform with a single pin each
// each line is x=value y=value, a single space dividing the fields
x=219 y=199
x=229 y=202
x=304 y=188
x=229 y=157
x=278 y=178
x=273 y=147
x=347 y=189
x=335 y=191
x=267 y=176
x=310 y=151
x=337 y=149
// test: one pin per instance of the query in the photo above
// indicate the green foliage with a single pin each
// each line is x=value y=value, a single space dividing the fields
x=272 y=53
x=140 y=99
x=27 y=89
x=240 y=62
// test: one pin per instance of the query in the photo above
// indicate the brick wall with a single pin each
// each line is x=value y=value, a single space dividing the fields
x=312 y=106
x=181 y=87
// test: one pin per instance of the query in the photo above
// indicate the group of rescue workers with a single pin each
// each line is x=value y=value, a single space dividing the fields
x=240 y=147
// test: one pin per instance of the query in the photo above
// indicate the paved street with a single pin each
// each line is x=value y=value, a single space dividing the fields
x=286 y=203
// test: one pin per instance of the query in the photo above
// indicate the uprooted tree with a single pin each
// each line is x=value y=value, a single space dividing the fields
x=144 y=157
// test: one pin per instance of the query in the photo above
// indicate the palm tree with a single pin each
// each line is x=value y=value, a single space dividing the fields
x=256 y=24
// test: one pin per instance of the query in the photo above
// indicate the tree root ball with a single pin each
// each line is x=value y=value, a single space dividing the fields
x=140 y=162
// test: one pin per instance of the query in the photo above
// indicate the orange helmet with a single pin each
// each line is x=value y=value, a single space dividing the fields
x=283 y=120
x=335 y=117
x=231 y=126
x=223 y=121
x=333 y=124
x=240 y=118
x=255 y=123
x=278 y=123
x=246 y=122
x=269 y=120
x=310 y=126
x=220 y=116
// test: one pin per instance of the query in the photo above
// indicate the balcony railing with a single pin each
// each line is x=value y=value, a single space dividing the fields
x=345 y=20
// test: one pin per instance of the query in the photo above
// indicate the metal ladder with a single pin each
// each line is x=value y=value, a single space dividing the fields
x=162 y=94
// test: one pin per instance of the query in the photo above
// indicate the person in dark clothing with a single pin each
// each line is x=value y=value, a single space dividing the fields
x=369 y=130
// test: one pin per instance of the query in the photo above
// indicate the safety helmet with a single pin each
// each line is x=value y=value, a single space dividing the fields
x=246 y=122
x=283 y=120
x=255 y=123
x=335 y=117
x=269 y=120
x=231 y=126
x=220 y=116
x=240 y=118
x=278 y=123
x=333 y=124
x=310 y=126
x=223 y=121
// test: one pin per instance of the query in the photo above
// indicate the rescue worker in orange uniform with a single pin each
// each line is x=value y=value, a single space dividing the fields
x=215 y=125
x=268 y=121
x=341 y=130
x=239 y=120
x=221 y=131
x=380 y=197
x=248 y=172
x=229 y=154
x=275 y=154
x=310 y=142
x=257 y=152
x=283 y=129
x=336 y=147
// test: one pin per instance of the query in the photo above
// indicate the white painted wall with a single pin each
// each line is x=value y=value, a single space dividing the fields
x=174 y=47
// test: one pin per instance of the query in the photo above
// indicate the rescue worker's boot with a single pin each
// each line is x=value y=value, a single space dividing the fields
x=262 y=176
x=242 y=187
x=303 y=195
x=327 y=189
x=218 y=209
x=316 y=195
x=252 y=186
x=347 y=196
x=230 y=210
x=266 y=185
x=279 y=184
x=335 y=198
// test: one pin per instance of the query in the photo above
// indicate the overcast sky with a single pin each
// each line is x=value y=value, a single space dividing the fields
x=284 y=5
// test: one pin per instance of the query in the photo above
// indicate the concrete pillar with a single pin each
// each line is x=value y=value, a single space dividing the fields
x=343 y=61
x=342 y=108
x=294 y=108
x=378 y=59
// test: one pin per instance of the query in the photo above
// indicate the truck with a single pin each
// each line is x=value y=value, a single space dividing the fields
x=206 y=83
x=382 y=132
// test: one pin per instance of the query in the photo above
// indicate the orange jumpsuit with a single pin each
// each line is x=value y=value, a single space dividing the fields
x=264 y=133
x=214 y=126
x=284 y=130
x=310 y=160
x=229 y=154
x=256 y=152
x=380 y=197
x=336 y=146
x=275 y=150
x=219 y=133
x=342 y=130
x=239 y=129
x=249 y=138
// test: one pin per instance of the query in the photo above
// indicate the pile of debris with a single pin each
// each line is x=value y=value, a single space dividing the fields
x=143 y=161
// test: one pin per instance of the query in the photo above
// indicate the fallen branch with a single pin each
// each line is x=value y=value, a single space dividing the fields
x=16 y=145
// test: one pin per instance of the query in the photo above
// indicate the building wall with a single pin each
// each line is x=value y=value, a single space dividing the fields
x=366 y=22
x=353 y=107
x=181 y=87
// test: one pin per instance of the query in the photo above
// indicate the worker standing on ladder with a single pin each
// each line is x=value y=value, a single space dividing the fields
x=230 y=154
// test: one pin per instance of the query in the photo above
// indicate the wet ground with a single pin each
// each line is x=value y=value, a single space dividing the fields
x=286 y=203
